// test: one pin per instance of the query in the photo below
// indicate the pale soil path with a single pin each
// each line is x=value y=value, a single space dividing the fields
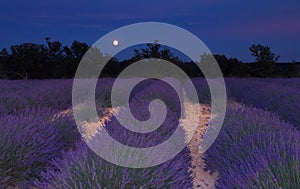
x=202 y=179
x=91 y=128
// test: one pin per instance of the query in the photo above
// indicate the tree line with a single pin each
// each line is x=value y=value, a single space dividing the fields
x=54 y=60
x=39 y=61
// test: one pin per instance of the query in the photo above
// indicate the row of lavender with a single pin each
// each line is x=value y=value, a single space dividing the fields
x=275 y=95
x=280 y=98
x=19 y=95
x=257 y=148
x=290 y=82
x=68 y=172
x=39 y=144
x=31 y=134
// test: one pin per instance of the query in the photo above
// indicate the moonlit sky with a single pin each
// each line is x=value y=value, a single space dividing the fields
x=226 y=26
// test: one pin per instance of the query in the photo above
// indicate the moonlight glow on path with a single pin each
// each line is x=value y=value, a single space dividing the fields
x=115 y=42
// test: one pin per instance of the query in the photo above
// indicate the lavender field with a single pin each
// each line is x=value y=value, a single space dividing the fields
x=257 y=147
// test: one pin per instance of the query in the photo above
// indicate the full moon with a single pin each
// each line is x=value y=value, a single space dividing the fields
x=115 y=42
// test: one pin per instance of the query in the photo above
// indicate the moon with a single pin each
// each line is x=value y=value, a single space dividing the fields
x=115 y=42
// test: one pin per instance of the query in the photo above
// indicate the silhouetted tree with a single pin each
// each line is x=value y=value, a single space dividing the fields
x=56 y=57
x=264 y=65
x=26 y=60
x=263 y=54
x=73 y=55
x=223 y=63
x=237 y=68
x=155 y=51
x=3 y=64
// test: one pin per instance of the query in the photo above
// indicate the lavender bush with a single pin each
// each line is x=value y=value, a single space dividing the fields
x=255 y=149
x=274 y=97
x=66 y=128
x=28 y=142
x=142 y=140
x=161 y=90
x=283 y=82
x=202 y=90
x=16 y=96
x=285 y=101
x=83 y=169
x=139 y=106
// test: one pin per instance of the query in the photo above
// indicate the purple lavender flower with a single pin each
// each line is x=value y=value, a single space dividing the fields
x=255 y=149
x=28 y=141
x=271 y=95
x=83 y=169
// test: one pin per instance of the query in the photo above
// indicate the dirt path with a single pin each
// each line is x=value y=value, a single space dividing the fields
x=202 y=179
x=89 y=129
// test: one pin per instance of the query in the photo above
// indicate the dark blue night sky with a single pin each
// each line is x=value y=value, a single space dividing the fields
x=226 y=26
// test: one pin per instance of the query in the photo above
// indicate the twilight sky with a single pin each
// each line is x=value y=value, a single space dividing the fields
x=226 y=26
